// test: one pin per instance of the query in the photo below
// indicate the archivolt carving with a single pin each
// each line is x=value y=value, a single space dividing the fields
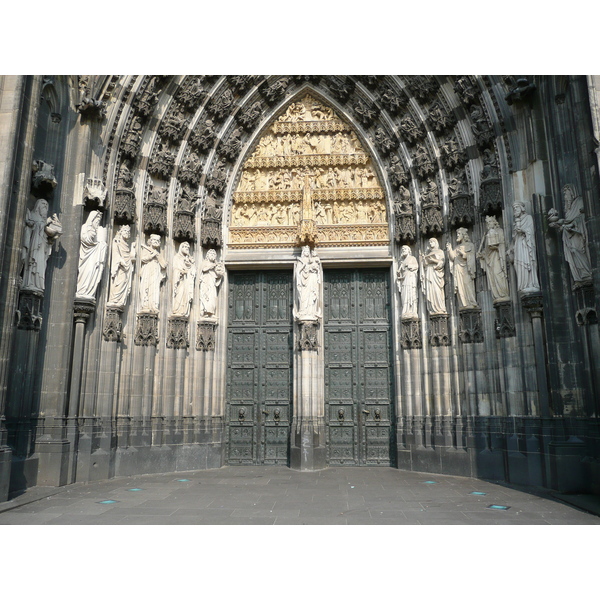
x=310 y=154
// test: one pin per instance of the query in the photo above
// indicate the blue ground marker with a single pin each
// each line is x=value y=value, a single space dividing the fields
x=430 y=482
x=107 y=502
x=478 y=493
x=135 y=490
x=183 y=480
x=498 y=507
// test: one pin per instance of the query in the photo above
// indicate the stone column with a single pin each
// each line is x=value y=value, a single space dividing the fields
x=533 y=305
x=81 y=312
x=308 y=451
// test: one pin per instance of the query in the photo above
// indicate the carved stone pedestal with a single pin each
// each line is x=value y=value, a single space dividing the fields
x=308 y=339
x=29 y=313
x=470 y=331
x=146 y=330
x=205 y=335
x=439 y=334
x=411 y=334
x=586 y=304
x=177 y=332
x=505 y=320
x=113 y=324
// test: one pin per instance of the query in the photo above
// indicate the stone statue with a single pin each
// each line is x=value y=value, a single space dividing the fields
x=184 y=274
x=432 y=278
x=492 y=258
x=574 y=234
x=121 y=268
x=522 y=251
x=151 y=275
x=211 y=276
x=41 y=231
x=92 y=255
x=308 y=277
x=462 y=264
x=407 y=282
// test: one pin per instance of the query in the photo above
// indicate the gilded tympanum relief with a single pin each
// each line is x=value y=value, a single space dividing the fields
x=308 y=181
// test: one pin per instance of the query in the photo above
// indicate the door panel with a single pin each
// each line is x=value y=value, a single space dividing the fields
x=358 y=367
x=259 y=374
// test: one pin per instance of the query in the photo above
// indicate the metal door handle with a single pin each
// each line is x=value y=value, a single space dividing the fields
x=265 y=412
x=367 y=412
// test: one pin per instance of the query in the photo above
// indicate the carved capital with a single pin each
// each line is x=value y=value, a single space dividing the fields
x=308 y=335
x=82 y=309
x=146 y=330
x=113 y=325
x=411 y=334
x=505 y=321
x=29 y=313
x=470 y=328
x=439 y=333
x=205 y=336
x=533 y=304
x=177 y=332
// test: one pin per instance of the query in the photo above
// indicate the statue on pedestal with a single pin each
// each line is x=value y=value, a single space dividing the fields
x=92 y=255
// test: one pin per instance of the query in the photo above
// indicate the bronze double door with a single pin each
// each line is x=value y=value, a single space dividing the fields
x=357 y=358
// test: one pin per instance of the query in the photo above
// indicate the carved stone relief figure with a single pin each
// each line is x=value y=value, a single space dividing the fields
x=492 y=255
x=308 y=278
x=574 y=234
x=462 y=263
x=92 y=255
x=41 y=231
x=121 y=268
x=211 y=275
x=151 y=275
x=432 y=278
x=522 y=252
x=184 y=274
x=407 y=282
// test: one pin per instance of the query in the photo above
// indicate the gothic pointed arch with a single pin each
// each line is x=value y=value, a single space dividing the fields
x=308 y=180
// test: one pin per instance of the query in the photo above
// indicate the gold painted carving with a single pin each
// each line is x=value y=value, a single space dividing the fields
x=309 y=181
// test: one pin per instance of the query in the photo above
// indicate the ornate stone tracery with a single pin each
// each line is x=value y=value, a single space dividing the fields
x=309 y=150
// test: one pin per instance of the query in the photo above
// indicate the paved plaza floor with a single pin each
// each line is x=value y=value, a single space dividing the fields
x=273 y=495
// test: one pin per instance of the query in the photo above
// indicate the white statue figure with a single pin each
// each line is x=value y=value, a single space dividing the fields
x=308 y=276
x=211 y=276
x=151 y=275
x=184 y=274
x=121 y=268
x=432 y=278
x=92 y=255
x=407 y=282
x=522 y=251
x=462 y=265
x=41 y=231
x=492 y=256
x=574 y=234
